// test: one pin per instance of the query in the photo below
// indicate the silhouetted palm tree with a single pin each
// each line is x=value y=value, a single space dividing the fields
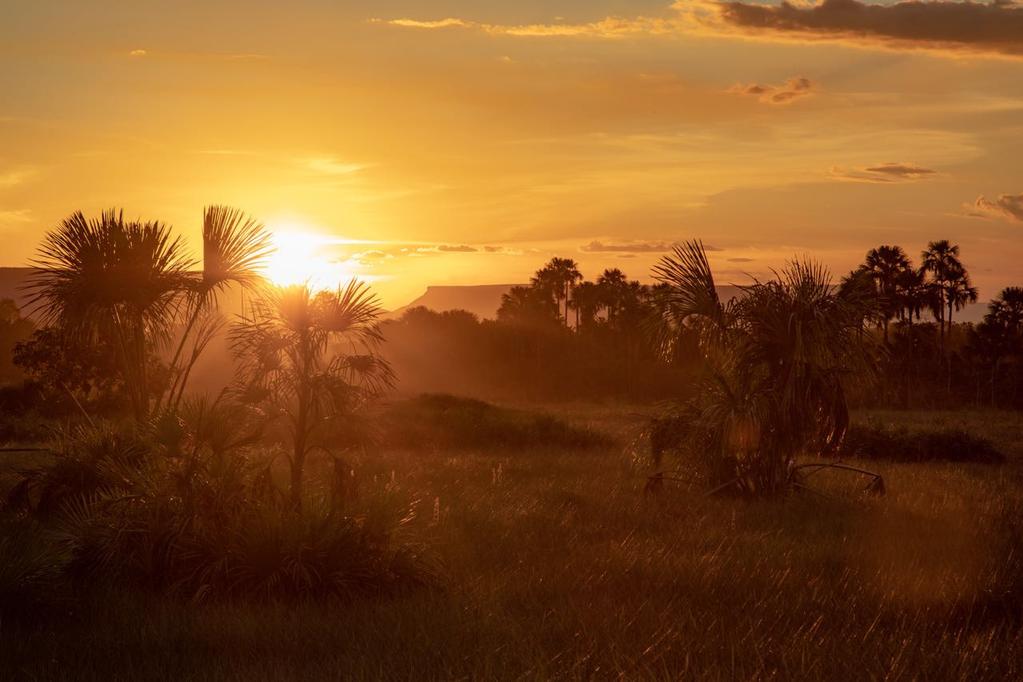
x=959 y=292
x=775 y=361
x=614 y=290
x=558 y=276
x=888 y=266
x=235 y=248
x=108 y=280
x=587 y=300
x=940 y=259
x=311 y=360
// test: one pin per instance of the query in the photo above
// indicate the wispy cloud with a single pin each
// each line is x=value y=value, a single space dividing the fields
x=885 y=172
x=18 y=216
x=15 y=177
x=786 y=93
x=609 y=27
x=597 y=246
x=331 y=166
x=1006 y=206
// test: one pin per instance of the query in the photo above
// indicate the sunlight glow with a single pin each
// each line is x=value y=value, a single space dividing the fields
x=302 y=257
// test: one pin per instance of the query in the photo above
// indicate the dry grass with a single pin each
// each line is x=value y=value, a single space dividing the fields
x=558 y=567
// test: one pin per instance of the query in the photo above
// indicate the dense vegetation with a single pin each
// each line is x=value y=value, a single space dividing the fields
x=306 y=522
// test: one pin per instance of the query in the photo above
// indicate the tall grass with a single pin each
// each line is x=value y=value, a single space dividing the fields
x=558 y=567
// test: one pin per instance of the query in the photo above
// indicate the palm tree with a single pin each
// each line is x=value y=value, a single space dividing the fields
x=108 y=280
x=775 y=361
x=959 y=292
x=888 y=266
x=529 y=305
x=310 y=360
x=558 y=277
x=940 y=259
x=235 y=248
x=587 y=299
x=614 y=286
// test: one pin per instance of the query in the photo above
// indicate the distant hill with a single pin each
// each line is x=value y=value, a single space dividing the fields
x=11 y=282
x=481 y=300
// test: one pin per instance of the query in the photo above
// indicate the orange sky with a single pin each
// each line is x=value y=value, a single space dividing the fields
x=462 y=142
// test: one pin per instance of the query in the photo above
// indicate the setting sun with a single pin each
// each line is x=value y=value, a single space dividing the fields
x=301 y=257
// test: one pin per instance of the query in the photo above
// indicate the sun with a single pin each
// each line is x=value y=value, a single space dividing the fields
x=302 y=257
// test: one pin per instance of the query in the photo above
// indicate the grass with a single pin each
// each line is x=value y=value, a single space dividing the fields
x=446 y=422
x=876 y=440
x=557 y=566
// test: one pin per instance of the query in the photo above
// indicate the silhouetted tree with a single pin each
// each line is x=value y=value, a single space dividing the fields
x=775 y=362
x=888 y=267
x=310 y=360
x=558 y=276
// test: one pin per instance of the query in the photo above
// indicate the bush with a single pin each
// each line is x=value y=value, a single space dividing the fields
x=438 y=421
x=32 y=563
x=161 y=509
x=878 y=441
x=89 y=459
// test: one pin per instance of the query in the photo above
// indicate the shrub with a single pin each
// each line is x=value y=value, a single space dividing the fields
x=88 y=459
x=878 y=441
x=32 y=563
x=438 y=421
x=168 y=509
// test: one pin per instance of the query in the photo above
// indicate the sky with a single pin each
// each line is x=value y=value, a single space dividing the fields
x=466 y=142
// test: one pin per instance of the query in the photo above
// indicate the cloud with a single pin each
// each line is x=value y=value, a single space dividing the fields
x=138 y=53
x=460 y=248
x=885 y=172
x=945 y=26
x=1007 y=206
x=22 y=215
x=16 y=177
x=993 y=28
x=331 y=166
x=741 y=260
x=787 y=92
x=627 y=247
x=609 y=27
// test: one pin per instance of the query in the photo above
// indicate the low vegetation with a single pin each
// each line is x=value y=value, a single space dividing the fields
x=875 y=440
x=445 y=422
x=557 y=566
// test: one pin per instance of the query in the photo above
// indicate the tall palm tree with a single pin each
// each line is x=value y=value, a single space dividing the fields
x=940 y=259
x=116 y=281
x=559 y=276
x=310 y=360
x=614 y=288
x=587 y=300
x=959 y=292
x=235 y=249
x=775 y=363
x=888 y=266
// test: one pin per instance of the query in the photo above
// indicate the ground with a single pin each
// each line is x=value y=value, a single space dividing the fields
x=556 y=565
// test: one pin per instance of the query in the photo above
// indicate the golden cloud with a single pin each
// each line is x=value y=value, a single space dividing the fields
x=944 y=26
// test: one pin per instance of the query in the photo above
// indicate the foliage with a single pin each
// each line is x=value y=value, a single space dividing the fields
x=14 y=329
x=883 y=442
x=309 y=360
x=129 y=284
x=177 y=509
x=446 y=422
x=32 y=565
x=775 y=364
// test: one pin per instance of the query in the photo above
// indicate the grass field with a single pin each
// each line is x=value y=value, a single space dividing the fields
x=557 y=566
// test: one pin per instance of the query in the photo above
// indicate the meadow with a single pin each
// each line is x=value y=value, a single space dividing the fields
x=554 y=564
